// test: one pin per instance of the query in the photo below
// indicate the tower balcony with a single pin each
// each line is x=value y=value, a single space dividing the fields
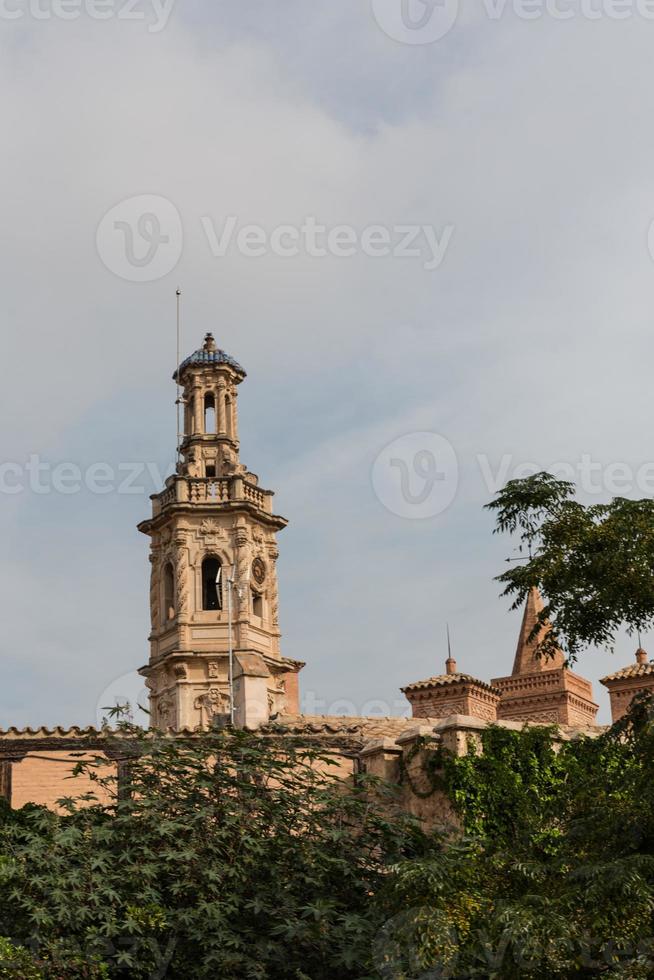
x=208 y=491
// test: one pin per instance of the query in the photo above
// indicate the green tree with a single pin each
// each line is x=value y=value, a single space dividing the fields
x=594 y=564
x=240 y=856
x=225 y=855
x=553 y=875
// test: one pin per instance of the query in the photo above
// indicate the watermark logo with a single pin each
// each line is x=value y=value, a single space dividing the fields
x=417 y=475
x=416 y=21
x=43 y=477
x=128 y=693
x=314 y=239
x=141 y=238
x=426 y=21
x=156 y=13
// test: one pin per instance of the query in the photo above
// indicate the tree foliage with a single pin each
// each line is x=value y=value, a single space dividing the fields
x=594 y=564
x=230 y=856
x=554 y=873
x=236 y=856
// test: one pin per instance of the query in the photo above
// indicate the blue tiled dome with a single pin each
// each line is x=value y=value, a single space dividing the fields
x=209 y=354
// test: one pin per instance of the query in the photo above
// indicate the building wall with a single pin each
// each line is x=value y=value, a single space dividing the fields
x=44 y=777
x=36 y=770
x=623 y=693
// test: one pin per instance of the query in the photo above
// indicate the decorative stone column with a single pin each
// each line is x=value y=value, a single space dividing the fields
x=198 y=410
x=220 y=409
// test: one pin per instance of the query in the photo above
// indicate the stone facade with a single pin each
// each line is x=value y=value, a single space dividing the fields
x=625 y=684
x=213 y=558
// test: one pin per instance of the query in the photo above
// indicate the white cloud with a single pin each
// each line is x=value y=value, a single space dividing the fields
x=533 y=338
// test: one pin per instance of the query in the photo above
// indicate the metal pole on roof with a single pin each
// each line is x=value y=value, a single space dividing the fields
x=178 y=400
x=230 y=640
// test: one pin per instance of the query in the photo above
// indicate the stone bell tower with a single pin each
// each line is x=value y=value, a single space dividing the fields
x=214 y=538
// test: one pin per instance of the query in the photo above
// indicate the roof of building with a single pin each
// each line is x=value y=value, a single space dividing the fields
x=209 y=353
x=340 y=725
x=440 y=680
x=323 y=725
x=526 y=661
x=639 y=669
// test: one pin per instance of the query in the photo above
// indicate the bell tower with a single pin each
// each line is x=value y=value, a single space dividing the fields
x=213 y=554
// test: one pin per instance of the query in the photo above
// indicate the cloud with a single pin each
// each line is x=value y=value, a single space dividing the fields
x=532 y=339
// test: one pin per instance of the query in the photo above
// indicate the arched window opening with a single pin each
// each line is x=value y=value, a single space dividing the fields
x=209 y=414
x=212 y=585
x=257 y=604
x=169 y=593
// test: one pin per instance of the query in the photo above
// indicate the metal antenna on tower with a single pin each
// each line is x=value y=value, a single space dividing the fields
x=178 y=399
x=450 y=663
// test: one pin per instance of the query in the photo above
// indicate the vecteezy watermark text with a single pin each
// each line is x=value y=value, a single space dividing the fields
x=316 y=240
x=591 y=476
x=141 y=239
x=42 y=477
x=426 y=21
x=416 y=476
x=156 y=13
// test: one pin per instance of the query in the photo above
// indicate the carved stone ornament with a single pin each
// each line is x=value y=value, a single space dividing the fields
x=274 y=607
x=154 y=592
x=213 y=669
x=213 y=702
x=212 y=531
x=166 y=713
x=241 y=537
x=259 y=571
x=181 y=581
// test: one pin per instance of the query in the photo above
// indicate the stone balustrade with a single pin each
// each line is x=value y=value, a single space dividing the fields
x=213 y=490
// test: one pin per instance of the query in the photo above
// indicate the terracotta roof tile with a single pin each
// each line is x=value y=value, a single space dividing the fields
x=340 y=725
x=440 y=680
x=634 y=670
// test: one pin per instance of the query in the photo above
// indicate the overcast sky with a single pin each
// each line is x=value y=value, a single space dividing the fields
x=519 y=155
